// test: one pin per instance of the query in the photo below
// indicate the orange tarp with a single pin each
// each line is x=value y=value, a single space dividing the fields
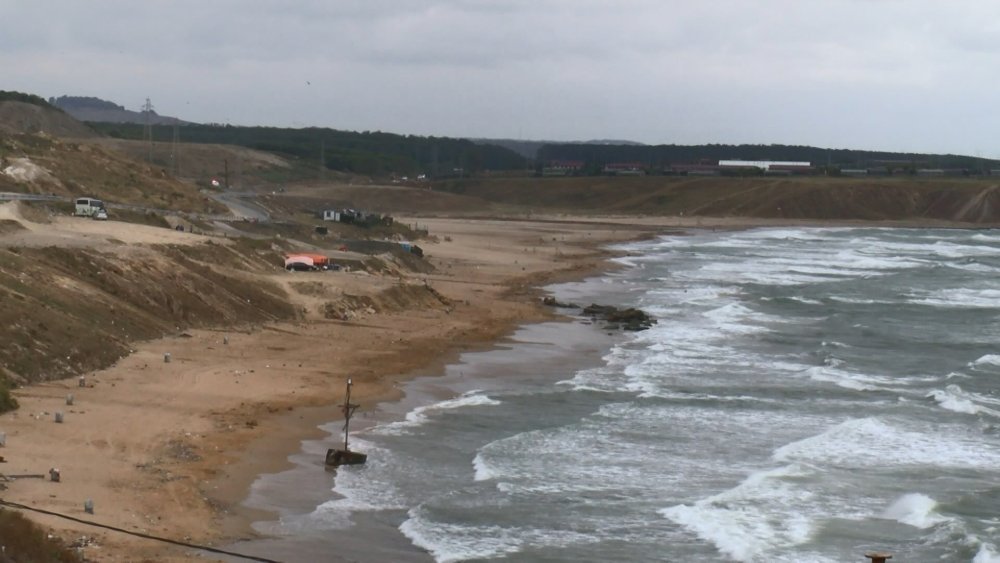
x=318 y=260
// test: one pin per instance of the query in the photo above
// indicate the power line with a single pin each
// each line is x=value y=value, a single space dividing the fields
x=137 y=534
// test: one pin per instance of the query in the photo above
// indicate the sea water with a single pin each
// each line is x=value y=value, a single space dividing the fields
x=808 y=394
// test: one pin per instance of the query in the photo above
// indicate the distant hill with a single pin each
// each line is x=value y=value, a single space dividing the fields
x=369 y=152
x=96 y=109
x=26 y=113
x=529 y=149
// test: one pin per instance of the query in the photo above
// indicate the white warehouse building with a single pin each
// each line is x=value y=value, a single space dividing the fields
x=763 y=164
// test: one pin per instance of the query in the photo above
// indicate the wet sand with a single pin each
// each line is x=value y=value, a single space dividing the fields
x=542 y=352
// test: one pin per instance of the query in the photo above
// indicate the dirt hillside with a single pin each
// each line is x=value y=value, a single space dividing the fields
x=22 y=117
x=875 y=199
x=41 y=164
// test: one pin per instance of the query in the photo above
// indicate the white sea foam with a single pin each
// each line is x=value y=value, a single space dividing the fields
x=762 y=515
x=536 y=460
x=756 y=235
x=952 y=250
x=741 y=272
x=857 y=300
x=362 y=488
x=421 y=415
x=984 y=237
x=991 y=359
x=455 y=542
x=735 y=318
x=870 y=442
x=953 y=398
x=987 y=554
x=965 y=298
x=483 y=470
x=915 y=510
x=971 y=267
x=448 y=542
x=846 y=379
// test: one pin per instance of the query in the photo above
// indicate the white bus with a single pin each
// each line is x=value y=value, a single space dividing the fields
x=88 y=207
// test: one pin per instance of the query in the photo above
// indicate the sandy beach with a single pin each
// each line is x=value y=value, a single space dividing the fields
x=170 y=448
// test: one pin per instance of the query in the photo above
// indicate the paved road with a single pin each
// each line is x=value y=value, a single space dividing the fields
x=240 y=204
x=236 y=202
x=9 y=196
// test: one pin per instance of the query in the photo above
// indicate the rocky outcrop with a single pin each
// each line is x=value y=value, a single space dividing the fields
x=626 y=319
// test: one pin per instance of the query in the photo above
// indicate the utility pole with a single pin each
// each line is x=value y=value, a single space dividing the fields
x=147 y=130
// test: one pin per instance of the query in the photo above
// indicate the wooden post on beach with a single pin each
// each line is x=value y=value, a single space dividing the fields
x=69 y=399
x=59 y=417
x=88 y=506
x=878 y=556
x=166 y=357
x=83 y=381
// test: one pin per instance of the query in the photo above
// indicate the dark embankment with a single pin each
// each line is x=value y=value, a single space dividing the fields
x=876 y=199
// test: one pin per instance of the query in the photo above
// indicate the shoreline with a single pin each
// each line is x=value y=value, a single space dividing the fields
x=234 y=489
x=540 y=353
x=172 y=448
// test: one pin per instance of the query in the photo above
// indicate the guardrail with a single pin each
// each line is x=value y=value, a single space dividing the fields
x=12 y=196
x=9 y=196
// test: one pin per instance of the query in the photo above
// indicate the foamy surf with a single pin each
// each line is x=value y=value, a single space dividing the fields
x=794 y=403
x=870 y=442
x=915 y=510
x=953 y=398
x=754 y=520
x=421 y=415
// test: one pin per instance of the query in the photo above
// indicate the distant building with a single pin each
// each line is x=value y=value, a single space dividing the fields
x=562 y=167
x=853 y=172
x=768 y=165
x=625 y=168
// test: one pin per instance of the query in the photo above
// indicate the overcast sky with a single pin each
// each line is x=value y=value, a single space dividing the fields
x=907 y=75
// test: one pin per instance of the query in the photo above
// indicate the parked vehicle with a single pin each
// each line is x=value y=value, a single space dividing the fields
x=88 y=206
x=100 y=215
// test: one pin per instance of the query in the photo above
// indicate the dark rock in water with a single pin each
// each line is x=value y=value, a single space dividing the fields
x=551 y=302
x=626 y=319
x=598 y=311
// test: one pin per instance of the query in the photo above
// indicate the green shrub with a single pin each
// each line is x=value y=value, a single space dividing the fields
x=7 y=401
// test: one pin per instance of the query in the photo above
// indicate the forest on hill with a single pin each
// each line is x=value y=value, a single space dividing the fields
x=380 y=153
x=10 y=96
x=368 y=152
x=662 y=156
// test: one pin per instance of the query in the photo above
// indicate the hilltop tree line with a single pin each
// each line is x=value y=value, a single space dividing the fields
x=368 y=152
x=379 y=153
x=9 y=96
x=662 y=156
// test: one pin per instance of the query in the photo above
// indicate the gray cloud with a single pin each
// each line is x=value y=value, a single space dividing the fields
x=894 y=74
